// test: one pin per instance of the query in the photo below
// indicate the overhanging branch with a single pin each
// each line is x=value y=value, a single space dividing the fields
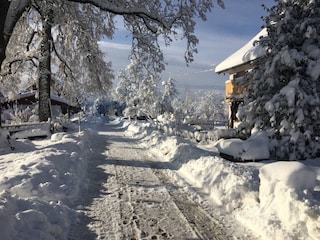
x=111 y=6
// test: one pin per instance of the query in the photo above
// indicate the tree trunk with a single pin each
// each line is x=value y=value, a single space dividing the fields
x=3 y=13
x=45 y=64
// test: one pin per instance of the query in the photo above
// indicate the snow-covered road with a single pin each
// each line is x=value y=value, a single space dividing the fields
x=130 y=196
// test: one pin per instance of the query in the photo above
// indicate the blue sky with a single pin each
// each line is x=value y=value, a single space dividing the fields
x=225 y=31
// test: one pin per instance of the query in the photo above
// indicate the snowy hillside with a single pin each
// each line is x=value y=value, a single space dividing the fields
x=41 y=180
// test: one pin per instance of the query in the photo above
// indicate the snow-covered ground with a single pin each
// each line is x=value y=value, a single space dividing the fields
x=38 y=180
x=41 y=180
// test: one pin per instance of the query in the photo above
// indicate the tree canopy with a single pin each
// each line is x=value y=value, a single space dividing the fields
x=147 y=20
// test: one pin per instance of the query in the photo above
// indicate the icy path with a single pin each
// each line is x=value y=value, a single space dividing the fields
x=130 y=197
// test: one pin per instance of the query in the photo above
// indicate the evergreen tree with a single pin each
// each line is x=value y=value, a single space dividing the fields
x=284 y=94
x=123 y=90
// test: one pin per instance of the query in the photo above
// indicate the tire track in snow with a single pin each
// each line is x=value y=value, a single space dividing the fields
x=199 y=219
x=152 y=213
x=131 y=198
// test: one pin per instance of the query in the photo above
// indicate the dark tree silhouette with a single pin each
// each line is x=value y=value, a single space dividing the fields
x=10 y=12
x=3 y=13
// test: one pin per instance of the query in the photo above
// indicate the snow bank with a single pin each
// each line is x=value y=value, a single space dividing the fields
x=291 y=174
x=49 y=173
x=226 y=183
x=273 y=200
x=33 y=219
x=137 y=129
x=172 y=149
x=38 y=179
x=287 y=208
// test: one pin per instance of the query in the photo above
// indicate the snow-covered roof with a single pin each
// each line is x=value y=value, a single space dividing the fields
x=247 y=53
x=25 y=95
x=52 y=96
x=59 y=99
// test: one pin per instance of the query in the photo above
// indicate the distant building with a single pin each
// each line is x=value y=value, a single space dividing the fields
x=237 y=65
x=28 y=99
x=58 y=104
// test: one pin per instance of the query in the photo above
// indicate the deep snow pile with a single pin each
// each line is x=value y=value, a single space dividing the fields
x=37 y=181
x=288 y=206
x=275 y=200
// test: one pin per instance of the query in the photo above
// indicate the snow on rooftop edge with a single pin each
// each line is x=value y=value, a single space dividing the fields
x=52 y=96
x=245 y=54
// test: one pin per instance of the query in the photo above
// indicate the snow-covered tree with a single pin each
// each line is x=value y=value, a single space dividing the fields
x=284 y=94
x=148 y=96
x=46 y=38
x=201 y=106
x=169 y=96
x=84 y=73
x=123 y=90
x=107 y=107
x=209 y=106
x=138 y=90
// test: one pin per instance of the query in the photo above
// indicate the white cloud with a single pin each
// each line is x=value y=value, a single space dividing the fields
x=104 y=45
x=117 y=53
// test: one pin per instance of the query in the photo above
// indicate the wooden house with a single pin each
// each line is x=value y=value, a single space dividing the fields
x=28 y=99
x=236 y=66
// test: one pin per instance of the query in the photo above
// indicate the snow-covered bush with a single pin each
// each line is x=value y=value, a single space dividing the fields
x=5 y=139
x=210 y=106
x=138 y=91
x=62 y=123
x=105 y=106
x=284 y=95
x=23 y=115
